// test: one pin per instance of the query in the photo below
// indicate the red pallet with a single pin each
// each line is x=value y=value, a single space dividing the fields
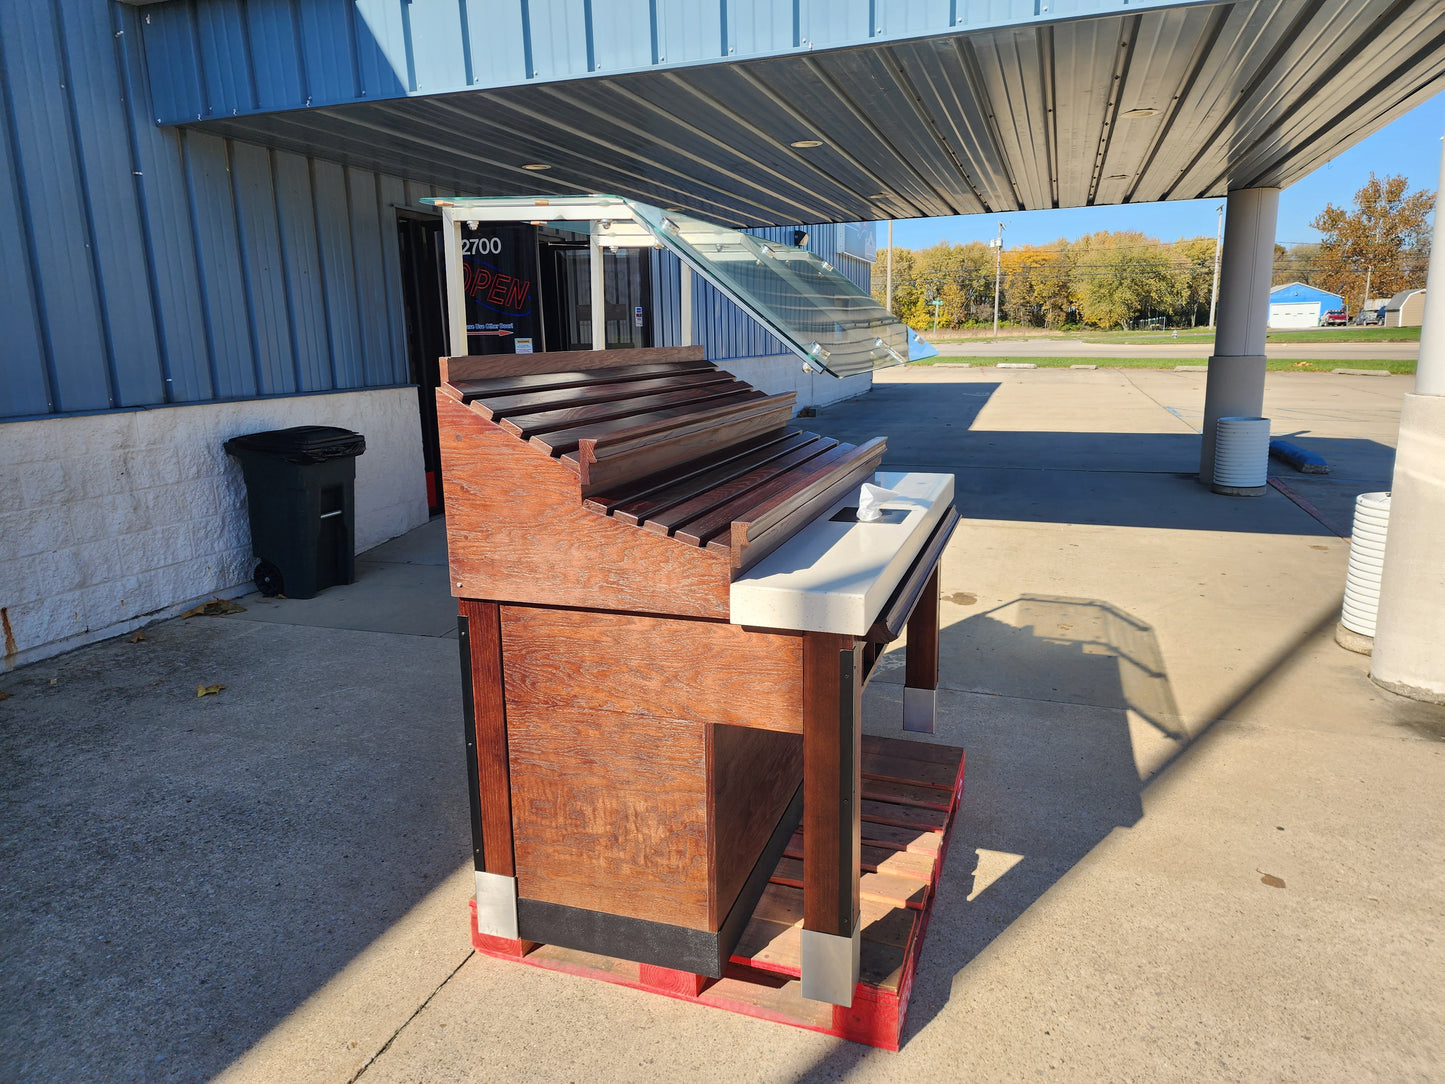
x=911 y=792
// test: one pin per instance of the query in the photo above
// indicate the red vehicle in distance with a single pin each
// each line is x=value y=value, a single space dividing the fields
x=1335 y=317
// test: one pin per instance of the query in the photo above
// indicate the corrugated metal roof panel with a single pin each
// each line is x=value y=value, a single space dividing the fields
x=1138 y=102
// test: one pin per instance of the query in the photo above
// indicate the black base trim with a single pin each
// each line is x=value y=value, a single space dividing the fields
x=661 y=944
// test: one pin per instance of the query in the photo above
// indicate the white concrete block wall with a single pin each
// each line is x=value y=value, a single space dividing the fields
x=113 y=520
x=779 y=373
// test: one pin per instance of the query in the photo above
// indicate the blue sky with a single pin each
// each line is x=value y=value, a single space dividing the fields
x=1411 y=145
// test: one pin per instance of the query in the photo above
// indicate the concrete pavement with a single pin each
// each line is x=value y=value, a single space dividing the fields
x=1196 y=842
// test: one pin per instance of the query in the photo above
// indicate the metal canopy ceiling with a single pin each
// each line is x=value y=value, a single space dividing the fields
x=1178 y=102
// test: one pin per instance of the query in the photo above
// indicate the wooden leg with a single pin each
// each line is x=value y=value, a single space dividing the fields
x=832 y=754
x=920 y=677
x=480 y=631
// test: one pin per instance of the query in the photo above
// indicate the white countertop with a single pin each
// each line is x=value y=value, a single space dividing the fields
x=834 y=576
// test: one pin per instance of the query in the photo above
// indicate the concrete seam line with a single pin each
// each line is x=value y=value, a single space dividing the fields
x=425 y=1002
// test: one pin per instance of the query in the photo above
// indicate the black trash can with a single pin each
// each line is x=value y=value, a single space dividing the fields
x=300 y=489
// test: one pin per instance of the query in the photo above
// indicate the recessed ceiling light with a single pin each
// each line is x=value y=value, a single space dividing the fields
x=879 y=195
x=805 y=144
x=1138 y=114
x=1117 y=177
x=536 y=167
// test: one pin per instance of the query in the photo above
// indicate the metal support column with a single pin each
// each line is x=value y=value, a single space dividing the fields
x=599 y=289
x=1235 y=384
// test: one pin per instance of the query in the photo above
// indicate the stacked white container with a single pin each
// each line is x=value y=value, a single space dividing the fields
x=1241 y=456
x=1367 y=558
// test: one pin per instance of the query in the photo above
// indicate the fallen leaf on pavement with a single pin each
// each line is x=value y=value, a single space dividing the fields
x=208 y=690
x=214 y=608
x=4 y=696
x=1270 y=879
x=138 y=637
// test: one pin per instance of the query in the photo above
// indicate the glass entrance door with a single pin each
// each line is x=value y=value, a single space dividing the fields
x=567 y=293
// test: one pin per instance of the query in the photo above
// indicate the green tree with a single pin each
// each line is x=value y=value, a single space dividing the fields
x=1385 y=240
x=1121 y=277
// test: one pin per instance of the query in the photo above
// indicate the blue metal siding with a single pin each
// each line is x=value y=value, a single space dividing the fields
x=49 y=182
x=242 y=58
x=145 y=266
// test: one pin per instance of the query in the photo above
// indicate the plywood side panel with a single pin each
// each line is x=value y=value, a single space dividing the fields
x=609 y=813
x=517 y=532
x=667 y=668
x=755 y=774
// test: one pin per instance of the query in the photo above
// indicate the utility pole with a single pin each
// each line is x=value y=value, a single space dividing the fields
x=997 y=274
x=1365 y=304
x=888 y=303
x=1218 y=241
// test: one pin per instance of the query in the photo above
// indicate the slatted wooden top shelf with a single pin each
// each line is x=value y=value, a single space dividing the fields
x=678 y=448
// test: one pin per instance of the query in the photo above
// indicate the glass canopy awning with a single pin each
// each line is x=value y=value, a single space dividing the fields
x=818 y=313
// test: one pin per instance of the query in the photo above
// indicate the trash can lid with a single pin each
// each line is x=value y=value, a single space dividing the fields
x=301 y=443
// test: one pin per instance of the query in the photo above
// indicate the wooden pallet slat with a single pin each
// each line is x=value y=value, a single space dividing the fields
x=762 y=980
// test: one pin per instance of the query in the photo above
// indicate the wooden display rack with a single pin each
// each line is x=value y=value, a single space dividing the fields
x=654 y=702
x=911 y=792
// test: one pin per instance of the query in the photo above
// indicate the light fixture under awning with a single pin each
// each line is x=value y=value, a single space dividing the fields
x=817 y=312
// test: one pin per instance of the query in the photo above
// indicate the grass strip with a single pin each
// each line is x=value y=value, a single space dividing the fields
x=1274 y=365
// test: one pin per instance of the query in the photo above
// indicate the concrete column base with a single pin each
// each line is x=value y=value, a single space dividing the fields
x=1234 y=388
x=1409 y=649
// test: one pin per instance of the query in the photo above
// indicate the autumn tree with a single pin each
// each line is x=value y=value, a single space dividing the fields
x=1384 y=241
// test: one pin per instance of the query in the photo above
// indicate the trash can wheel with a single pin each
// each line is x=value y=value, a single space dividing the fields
x=268 y=579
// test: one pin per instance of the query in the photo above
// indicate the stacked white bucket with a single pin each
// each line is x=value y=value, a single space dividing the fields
x=1241 y=453
x=1367 y=558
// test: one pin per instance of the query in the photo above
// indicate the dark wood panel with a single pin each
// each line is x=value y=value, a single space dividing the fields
x=831 y=755
x=610 y=813
x=648 y=497
x=617 y=462
x=875 y=745
x=588 y=419
x=560 y=441
x=920 y=658
x=493 y=785
x=764 y=529
x=492 y=366
x=514 y=403
x=703 y=671
x=882 y=766
x=694 y=520
x=576 y=379
x=755 y=774
x=517 y=532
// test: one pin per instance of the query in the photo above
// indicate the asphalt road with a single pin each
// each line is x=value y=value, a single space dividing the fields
x=1074 y=348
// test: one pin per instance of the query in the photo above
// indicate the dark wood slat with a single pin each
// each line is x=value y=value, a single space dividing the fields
x=920 y=669
x=891 y=790
x=618 y=461
x=624 y=502
x=691 y=519
x=618 y=430
x=916 y=772
x=901 y=749
x=831 y=806
x=904 y=816
x=522 y=383
x=511 y=366
x=712 y=481
x=533 y=402
x=773 y=521
x=529 y=425
x=493 y=779
x=910 y=589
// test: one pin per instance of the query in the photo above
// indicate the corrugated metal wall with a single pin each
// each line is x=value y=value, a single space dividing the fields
x=719 y=325
x=145 y=266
